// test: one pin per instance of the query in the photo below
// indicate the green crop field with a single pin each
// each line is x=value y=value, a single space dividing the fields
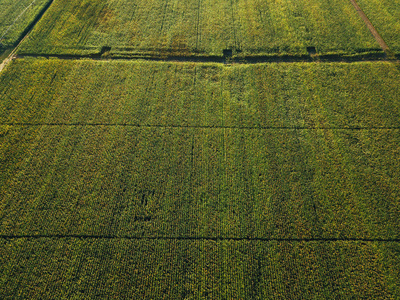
x=201 y=27
x=15 y=18
x=199 y=181
x=188 y=118
x=385 y=16
x=294 y=95
x=173 y=182
x=149 y=151
x=186 y=269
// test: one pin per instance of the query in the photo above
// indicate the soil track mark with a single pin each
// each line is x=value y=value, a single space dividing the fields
x=371 y=28
x=7 y=60
x=206 y=126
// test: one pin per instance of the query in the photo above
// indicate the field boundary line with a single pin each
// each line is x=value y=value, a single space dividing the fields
x=205 y=126
x=194 y=238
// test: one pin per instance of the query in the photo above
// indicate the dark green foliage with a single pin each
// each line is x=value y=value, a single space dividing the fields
x=200 y=150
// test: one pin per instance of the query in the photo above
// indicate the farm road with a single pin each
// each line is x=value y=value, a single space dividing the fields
x=11 y=56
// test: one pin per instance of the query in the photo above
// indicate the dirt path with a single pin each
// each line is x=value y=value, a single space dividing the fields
x=371 y=27
x=8 y=60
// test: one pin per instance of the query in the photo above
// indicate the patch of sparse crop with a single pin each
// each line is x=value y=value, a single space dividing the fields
x=201 y=27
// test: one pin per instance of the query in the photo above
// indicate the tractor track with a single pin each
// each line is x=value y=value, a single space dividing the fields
x=386 y=55
x=24 y=35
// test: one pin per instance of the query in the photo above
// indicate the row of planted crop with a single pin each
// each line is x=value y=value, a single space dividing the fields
x=299 y=95
x=202 y=269
x=193 y=182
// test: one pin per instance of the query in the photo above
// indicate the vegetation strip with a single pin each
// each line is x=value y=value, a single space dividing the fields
x=371 y=27
x=221 y=183
x=218 y=59
x=296 y=95
x=28 y=22
x=15 y=20
x=203 y=127
x=194 y=238
x=35 y=21
x=385 y=16
x=199 y=269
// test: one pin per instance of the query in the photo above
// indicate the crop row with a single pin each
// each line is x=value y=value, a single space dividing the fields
x=201 y=27
x=298 y=95
x=170 y=269
x=122 y=181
